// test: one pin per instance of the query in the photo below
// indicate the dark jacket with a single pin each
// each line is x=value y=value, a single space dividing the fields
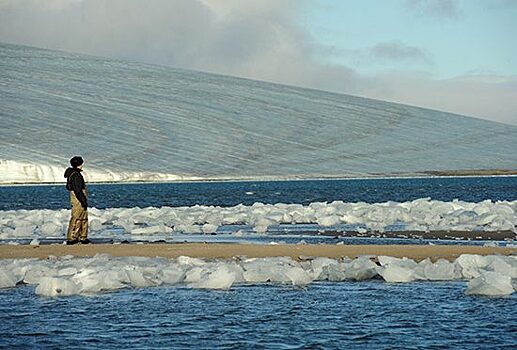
x=75 y=182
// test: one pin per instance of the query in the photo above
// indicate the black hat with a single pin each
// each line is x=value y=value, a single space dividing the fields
x=76 y=161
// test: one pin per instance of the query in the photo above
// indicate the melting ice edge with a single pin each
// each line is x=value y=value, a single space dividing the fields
x=492 y=275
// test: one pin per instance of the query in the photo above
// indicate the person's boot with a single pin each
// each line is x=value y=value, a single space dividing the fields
x=85 y=241
x=71 y=241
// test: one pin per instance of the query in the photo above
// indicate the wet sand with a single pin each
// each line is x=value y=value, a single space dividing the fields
x=228 y=251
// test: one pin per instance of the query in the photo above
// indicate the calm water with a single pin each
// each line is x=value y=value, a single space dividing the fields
x=372 y=315
x=472 y=189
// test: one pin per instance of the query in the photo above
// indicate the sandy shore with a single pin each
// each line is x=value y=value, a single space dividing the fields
x=227 y=251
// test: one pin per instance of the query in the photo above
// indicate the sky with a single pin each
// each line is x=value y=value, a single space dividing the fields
x=451 y=55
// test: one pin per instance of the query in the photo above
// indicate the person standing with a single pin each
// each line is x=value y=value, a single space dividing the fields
x=78 y=226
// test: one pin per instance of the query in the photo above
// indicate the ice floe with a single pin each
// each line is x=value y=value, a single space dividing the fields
x=417 y=215
x=488 y=275
x=490 y=283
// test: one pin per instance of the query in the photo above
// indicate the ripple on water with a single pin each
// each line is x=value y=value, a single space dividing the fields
x=368 y=314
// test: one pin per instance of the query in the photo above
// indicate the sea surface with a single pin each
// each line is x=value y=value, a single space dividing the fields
x=469 y=189
x=347 y=315
x=344 y=315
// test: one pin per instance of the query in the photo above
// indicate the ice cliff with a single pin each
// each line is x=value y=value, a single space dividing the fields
x=133 y=121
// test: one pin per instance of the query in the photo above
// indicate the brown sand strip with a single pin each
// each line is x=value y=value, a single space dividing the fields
x=226 y=251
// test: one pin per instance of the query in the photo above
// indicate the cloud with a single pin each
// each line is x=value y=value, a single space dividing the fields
x=262 y=40
x=384 y=53
x=254 y=39
x=500 y=4
x=224 y=36
x=393 y=51
x=437 y=8
x=397 y=51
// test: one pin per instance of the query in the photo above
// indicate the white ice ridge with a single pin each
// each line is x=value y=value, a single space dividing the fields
x=488 y=275
x=12 y=172
x=417 y=215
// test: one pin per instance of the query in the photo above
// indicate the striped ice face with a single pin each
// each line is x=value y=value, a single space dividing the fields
x=132 y=121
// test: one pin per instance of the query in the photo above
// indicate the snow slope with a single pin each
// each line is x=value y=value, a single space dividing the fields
x=133 y=121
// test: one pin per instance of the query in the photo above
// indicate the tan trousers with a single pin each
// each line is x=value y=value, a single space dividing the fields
x=78 y=226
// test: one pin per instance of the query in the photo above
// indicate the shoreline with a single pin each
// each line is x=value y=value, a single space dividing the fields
x=423 y=175
x=230 y=251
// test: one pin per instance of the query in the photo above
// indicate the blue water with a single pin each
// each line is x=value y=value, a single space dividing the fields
x=471 y=189
x=364 y=315
x=351 y=315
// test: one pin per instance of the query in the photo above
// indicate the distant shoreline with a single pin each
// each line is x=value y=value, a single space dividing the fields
x=423 y=175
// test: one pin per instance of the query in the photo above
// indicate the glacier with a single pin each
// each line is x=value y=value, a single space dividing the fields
x=420 y=215
x=140 y=122
x=491 y=275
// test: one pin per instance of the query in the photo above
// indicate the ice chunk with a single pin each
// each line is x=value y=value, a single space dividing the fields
x=7 y=279
x=54 y=286
x=172 y=274
x=396 y=274
x=196 y=274
x=396 y=270
x=51 y=229
x=67 y=271
x=298 y=276
x=260 y=228
x=442 y=270
x=490 y=283
x=389 y=260
x=93 y=281
x=360 y=269
x=334 y=272
x=24 y=229
x=17 y=268
x=35 y=272
x=187 y=260
x=330 y=220
x=209 y=228
x=256 y=271
x=267 y=269
x=318 y=266
x=95 y=225
x=221 y=277
x=470 y=264
x=137 y=278
x=505 y=265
